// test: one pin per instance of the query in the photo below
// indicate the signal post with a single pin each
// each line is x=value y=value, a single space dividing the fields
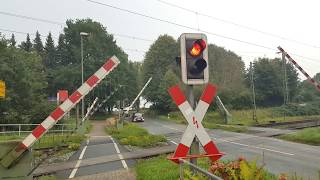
x=194 y=71
x=194 y=58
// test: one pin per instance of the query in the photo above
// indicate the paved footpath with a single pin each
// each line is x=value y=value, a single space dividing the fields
x=99 y=144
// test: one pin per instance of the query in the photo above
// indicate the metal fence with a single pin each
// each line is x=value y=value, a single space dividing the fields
x=196 y=168
x=20 y=129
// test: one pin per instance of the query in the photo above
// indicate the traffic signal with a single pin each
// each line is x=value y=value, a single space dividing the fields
x=194 y=58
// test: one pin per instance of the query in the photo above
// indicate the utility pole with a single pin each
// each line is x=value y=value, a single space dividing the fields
x=82 y=101
x=285 y=84
x=254 y=115
x=195 y=143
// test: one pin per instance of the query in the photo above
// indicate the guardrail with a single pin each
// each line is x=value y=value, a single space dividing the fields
x=27 y=128
x=204 y=172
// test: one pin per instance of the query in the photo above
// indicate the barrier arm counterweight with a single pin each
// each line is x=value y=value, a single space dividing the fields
x=311 y=80
x=59 y=112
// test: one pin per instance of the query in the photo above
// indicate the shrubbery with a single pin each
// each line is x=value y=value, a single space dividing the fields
x=298 y=109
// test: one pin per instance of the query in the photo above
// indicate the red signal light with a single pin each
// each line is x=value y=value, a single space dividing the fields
x=197 y=47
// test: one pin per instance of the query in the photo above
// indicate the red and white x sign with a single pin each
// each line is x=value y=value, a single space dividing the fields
x=194 y=118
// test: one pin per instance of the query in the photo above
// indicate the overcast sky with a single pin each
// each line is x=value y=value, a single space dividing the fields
x=297 y=21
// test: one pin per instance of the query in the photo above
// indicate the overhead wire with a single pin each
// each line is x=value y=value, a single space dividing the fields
x=239 y=25
x=121 y=35
x=193 y=28
x=150 y=17
x=32 y=18
x=180 y=25
x=20 y=32
x=132 y=37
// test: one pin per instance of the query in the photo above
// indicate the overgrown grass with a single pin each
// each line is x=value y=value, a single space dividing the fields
x=157 y=168
x=308 y=136
x=134 y=135
x=51 y=141
x=11 y=137
x=160 y=168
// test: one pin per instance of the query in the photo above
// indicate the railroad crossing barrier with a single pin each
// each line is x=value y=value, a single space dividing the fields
x=195 y=128
x=16 y=153
x=223 y=111
x=103 y=102
x=89 y=109
x=311 y=80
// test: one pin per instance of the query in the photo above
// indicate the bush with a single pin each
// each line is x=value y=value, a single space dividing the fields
x=240 y=169
x=298 y=110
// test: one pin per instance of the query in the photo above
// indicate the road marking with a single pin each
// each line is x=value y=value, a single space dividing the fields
x=82 y=153
x=256 y=147
x=74 y=171
x=100 y=136
x=124 y=164
x=173 y=142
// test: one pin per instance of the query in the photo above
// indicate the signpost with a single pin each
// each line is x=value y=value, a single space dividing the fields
x=2 y=89
x=62 y=95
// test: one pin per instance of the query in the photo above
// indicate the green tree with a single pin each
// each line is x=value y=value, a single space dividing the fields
x=165 y=102
x=159 y=58
x=227 y=71
x=13 y=41
x=62 y=51
x=307 y=90
x=37 y=44
x=268 y=78
x=98 y=46
x=27 y=45
x=25 y=100
x=49 y=51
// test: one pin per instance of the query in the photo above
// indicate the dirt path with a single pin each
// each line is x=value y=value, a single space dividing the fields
x=98 y=128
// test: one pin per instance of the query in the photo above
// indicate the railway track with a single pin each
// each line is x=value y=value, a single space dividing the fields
x=293 y=124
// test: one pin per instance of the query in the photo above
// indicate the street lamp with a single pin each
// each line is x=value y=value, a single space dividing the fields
x=81 y=37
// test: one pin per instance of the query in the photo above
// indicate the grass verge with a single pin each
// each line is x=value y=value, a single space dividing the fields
x=307 y=136
x=243 y=117
x=51 y=141
x=134 y=135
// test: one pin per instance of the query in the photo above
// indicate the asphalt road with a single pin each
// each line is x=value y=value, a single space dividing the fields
x=278 y=156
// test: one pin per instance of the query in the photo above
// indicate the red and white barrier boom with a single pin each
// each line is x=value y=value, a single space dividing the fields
x=60 y=111
x=311 y=80
x=195 y=128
